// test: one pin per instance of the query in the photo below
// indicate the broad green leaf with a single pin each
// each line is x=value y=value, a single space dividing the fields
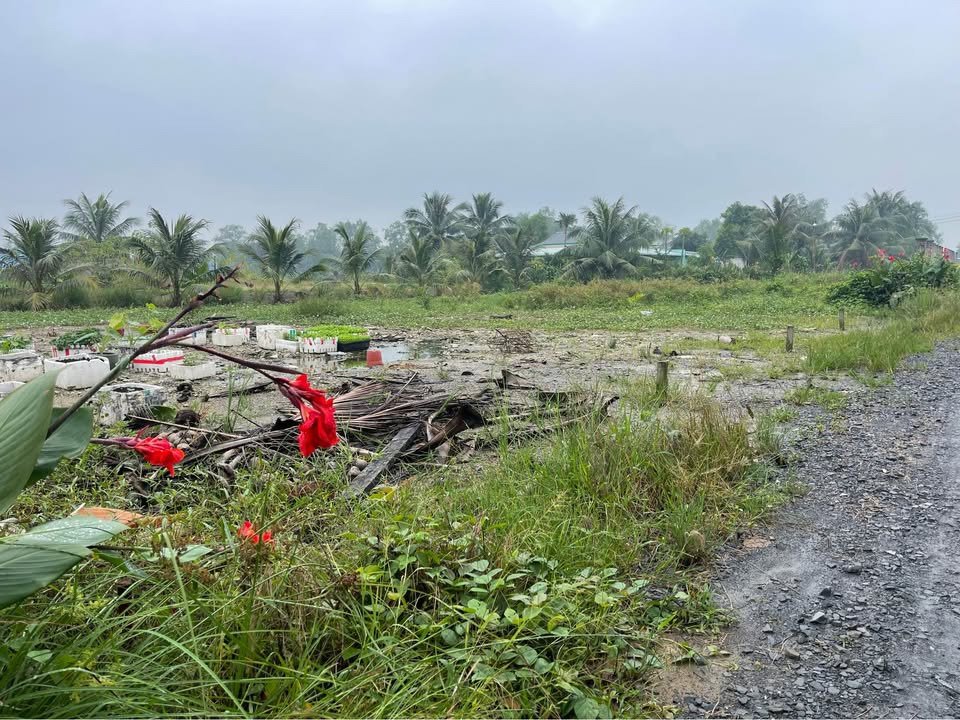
x=164 y=413
x=192 y=553
x=68 y=441
x=82 y=530
x=24 y=569
x=24 y=418
x=39 y=556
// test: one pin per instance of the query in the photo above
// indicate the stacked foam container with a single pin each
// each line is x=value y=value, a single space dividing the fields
x=318 y=346
x=117 y=402
x=197 y=338
x=78 y=372
x=157 y=361
x=230 y=337
x=267 y=335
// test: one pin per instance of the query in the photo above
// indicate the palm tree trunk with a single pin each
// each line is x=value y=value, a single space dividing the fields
x=356 y=283
x=277 y=296
x=175 y=283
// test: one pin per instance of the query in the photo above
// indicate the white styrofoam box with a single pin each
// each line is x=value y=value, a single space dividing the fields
x=72 y=351
x=230 y=337
x=21 y=366
x=8 y=387
x=119 y=401
x=197 y=338
x=318 y=346
x=286 y=346
x=180 y=371
x=78 y=372
x=267 y=335
x=157 y=361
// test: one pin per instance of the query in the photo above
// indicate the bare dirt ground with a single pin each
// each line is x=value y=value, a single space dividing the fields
x=853 y=607
x=459 y=361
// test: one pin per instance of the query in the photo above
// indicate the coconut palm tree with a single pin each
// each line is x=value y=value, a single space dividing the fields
x=357 y=252
x=608 y=242
x=420 y=261
x=482 y=225
x=859 y=232
x=516 y=252
x=437 y=221
x=171 y=253
x=566 y=221
x=34 y=260
x=277 y=254
x=908 y=219
x=775 y=235
x=96 y=221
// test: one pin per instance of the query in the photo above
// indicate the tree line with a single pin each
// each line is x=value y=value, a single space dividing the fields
x=442 y=241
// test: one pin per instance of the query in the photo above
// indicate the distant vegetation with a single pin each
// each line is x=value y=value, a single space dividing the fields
x=98 y=256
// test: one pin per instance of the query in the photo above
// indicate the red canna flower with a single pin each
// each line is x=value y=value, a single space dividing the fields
x=891 y=258
x=155 y=450
x=159 y=452
x=881 y=252
x=319 y=428
x=248 y=531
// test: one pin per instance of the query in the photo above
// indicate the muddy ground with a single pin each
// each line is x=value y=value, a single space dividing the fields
x=462 y=361
x=852 y=608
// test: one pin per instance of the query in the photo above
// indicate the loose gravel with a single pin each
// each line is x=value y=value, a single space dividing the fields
x=853 y=610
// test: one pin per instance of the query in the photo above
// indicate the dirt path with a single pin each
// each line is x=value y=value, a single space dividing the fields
x=854 y=609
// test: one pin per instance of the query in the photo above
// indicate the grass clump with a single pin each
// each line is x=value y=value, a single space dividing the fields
x=911 y=328
x=829 y=400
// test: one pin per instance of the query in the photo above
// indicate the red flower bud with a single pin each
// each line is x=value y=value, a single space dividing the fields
x=158 y=452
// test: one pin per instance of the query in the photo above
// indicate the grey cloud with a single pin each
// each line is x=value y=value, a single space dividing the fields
x=329 y=110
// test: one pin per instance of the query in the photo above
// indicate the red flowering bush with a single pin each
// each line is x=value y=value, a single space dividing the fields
x=888 y=278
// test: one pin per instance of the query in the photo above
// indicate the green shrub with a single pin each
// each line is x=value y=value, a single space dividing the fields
x=125 y=295
x=73 y=296
x=889 y=279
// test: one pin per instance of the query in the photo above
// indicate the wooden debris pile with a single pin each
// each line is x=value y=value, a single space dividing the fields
x=389 y=425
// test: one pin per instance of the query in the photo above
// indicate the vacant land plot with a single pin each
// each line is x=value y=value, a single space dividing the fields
x=545 y=549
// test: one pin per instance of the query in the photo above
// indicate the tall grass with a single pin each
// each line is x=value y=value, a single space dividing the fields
x=911 y=328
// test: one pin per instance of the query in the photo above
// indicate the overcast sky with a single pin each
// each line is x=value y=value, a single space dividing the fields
x=338 y=110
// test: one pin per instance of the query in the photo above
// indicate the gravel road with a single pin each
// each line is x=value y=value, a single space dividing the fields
x=853 y=610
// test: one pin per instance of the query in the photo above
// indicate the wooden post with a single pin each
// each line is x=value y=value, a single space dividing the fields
x=662 y=367
x=843 y=320
x=789 y=338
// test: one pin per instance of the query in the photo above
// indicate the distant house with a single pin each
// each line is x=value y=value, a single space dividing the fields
x=932 y=249
x=556 y=243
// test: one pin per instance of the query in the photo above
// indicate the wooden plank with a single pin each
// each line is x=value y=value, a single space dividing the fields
x=370 y=476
